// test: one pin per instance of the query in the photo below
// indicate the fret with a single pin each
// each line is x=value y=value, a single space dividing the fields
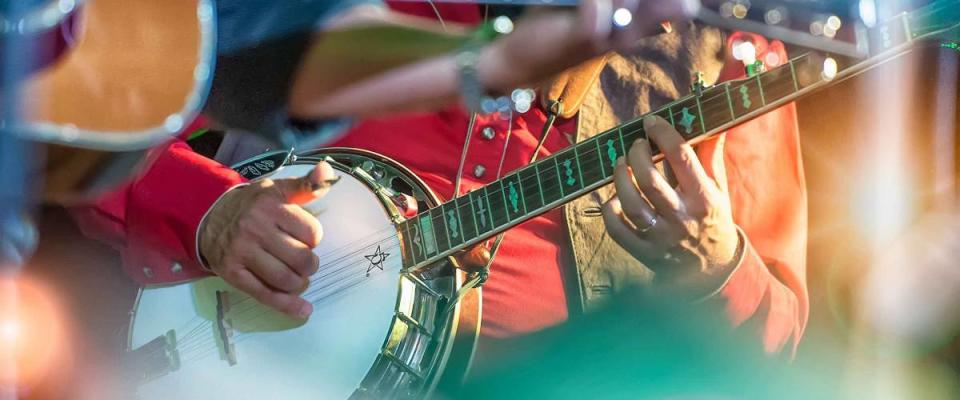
x=576 y=157
x=631 y=131
x=793 y=76
x=498 y=204
x=530 y=188
x=550 y=179
x=465 y=205
x=763 y=98
x=665 y=114
x=668 y=116
x=591 y=161
x=409 y=258
x=568 y=172
x=746 y=97
x=426 y=233
x=703 y=123
x=608 y=144
x=716 y=107
x=512 y=197
x=481 y=211
x=809 y=70
x=777 y=84
x=733 y=114
x=440 y=229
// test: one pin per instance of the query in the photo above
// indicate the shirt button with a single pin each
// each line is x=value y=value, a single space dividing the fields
x=176 y=268
x=488 y=133
x=147 y=272
x=478 y=171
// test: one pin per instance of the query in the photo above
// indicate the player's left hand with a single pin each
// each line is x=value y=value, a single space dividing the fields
x=686 y=235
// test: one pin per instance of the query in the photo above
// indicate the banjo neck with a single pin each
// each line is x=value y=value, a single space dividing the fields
x=585 y=166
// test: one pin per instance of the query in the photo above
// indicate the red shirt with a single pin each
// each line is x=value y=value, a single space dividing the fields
x=525 y=291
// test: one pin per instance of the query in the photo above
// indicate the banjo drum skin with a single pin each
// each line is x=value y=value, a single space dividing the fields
x=377 y=331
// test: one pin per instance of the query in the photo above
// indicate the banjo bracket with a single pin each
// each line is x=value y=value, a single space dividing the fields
x=155 y=359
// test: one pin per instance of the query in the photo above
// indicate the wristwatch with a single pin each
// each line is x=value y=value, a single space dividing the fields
x=471 y=90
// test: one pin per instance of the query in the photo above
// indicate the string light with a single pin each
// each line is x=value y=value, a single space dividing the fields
x=744 y=51
x=9 y=332
x=868 y=12
x=503 y=25
x=830 y=69
x=622 y=17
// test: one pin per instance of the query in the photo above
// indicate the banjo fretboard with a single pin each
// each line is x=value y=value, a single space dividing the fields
x=589 y=164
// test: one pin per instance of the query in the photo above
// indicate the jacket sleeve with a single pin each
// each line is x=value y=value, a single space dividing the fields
x=767 y=292
x=153 y=219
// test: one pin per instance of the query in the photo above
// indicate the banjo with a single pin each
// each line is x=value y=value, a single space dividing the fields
x=388 y=321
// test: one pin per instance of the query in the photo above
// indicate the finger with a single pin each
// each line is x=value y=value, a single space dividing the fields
x=620 y=230
x=309 y=187
x=295 y=254
x=651 y=182
x=635 y=207
x=275 y=273
x=286 y=303
x=300 y=224
x=686 y=166
x=716 y=166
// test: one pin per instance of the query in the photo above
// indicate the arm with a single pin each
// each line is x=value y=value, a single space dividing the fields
x=767 y=293
x=153 y=219
x=734 y=234
x=540 y=46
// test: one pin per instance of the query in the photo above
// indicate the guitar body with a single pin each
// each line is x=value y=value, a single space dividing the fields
x=375 y=332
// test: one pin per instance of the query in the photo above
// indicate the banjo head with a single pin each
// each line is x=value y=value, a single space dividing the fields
x=375 y=332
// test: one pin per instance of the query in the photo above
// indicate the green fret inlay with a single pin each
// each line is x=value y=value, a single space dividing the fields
x=568 y=171
x=452 y=225
x=612 y=153
x=687 y=120
x=745 y=97
x=513 y=197
x=426 y=229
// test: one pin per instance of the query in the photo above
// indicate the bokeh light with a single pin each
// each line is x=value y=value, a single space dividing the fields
x=32 y=333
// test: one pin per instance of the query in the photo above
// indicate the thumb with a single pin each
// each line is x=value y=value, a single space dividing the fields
x=309 y=187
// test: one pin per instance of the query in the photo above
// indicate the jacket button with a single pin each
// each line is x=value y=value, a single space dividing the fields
x=176 y=268
x=478 y=171
x=488 y=133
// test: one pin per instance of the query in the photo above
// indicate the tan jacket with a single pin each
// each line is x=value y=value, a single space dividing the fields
x=630 y=85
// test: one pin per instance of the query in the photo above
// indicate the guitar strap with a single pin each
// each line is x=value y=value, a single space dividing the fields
x=570 y=87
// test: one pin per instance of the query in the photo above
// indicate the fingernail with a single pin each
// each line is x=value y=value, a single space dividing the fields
x=649 y=122
x=324 y=184
x=642 y=144
x=305 y=310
